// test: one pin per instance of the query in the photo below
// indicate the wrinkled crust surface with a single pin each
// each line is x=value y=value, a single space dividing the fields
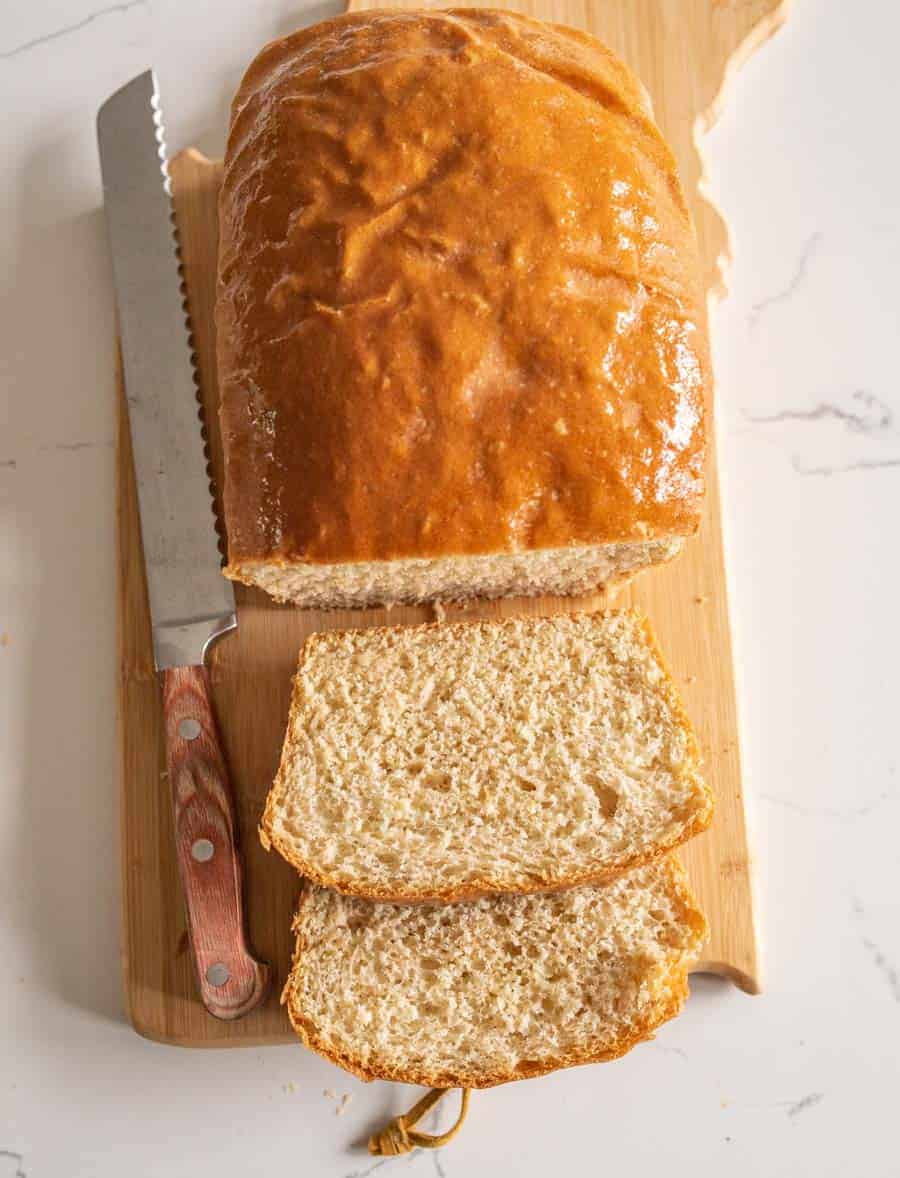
x=458 y=306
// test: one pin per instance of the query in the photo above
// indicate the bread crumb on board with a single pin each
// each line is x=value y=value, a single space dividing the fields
x=440 y=614
x=344 y=1102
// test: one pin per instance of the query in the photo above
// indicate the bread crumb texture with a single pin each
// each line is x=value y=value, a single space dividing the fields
x=559 y=572
x=492 y=990
x=443 y=762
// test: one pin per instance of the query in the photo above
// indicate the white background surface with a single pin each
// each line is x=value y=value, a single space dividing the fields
x=802 y=1081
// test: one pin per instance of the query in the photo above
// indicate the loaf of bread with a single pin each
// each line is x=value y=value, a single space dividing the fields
x=492 y=990
x=461 y=336
x=442 y=762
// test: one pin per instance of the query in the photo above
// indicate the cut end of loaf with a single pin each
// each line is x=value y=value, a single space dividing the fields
x=493 y=990
x=558 y=572
x=448 y=762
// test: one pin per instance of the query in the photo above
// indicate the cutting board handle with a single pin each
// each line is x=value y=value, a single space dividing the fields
x=231 y=981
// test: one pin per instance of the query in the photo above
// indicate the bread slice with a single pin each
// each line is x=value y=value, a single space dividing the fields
x=445 y=762
x=497 y=989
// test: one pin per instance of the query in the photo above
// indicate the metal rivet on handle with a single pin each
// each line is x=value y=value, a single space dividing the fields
x=217 y=975
x=188 y=728
x=202 y=850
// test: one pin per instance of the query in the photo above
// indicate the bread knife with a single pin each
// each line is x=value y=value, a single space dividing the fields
x=191 y=603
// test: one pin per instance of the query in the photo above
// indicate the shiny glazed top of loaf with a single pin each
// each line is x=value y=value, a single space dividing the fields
x=459 y=307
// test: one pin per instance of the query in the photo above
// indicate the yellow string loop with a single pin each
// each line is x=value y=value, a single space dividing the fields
x=399 y=1135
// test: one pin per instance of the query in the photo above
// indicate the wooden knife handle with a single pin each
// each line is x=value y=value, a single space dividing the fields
x=232 y=982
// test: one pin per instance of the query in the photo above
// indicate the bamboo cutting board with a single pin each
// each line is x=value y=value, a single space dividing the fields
x=683 y=50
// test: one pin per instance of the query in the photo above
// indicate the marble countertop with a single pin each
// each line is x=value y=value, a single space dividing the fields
x=802 y=1080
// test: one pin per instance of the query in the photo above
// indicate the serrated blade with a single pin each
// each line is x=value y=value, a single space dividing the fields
x=190 y=601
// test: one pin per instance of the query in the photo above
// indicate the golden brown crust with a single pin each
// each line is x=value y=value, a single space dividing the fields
x=459 y=309
x=673 y=991
x=493 y=885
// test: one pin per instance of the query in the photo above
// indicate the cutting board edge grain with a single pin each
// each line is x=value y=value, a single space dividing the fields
x=686 y=598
